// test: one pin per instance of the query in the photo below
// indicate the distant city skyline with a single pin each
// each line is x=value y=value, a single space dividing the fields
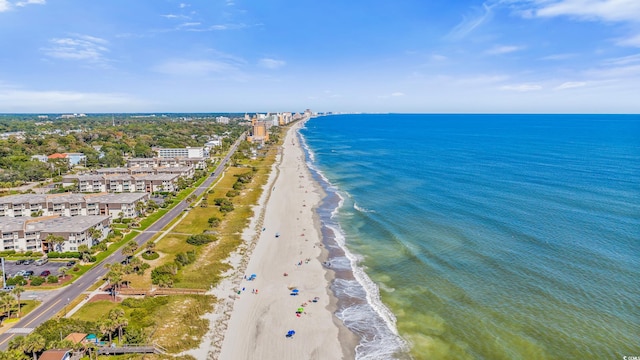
x=411 y=56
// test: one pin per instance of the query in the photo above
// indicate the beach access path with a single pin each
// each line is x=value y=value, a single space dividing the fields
x=264 y=309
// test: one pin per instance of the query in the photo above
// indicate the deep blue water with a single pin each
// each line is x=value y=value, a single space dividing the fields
x=486 y=236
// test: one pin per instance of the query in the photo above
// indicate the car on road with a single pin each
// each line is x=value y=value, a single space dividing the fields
x=20 y=262
x=45 y=273
x=20 y=273
x=28 y=262
x=70 y=263
x=28 y=273
x=42 y=261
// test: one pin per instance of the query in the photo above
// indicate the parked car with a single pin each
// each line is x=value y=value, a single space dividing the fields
x=28 y=262
x=20 y=262
x=42 y=261
x=20 y=273
x=45 y=273
x=70 y=263
x=28 y=273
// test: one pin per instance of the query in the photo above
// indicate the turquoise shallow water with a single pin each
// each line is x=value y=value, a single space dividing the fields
x=486 y=236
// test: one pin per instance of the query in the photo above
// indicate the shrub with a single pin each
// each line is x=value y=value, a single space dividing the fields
x=164 y=275
x=63 y=255
x=100 y=247
x=150 y=256
x=220 y=201
x=200 y=239
x=17 y=280
x=233 y=193
x=37 y=281
x=52 y=279
x=214 y=221
x=226 y=208
x=187 y=258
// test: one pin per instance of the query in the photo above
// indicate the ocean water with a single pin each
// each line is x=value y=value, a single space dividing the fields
x=483 y=236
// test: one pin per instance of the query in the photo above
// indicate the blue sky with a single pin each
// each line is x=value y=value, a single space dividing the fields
x=531 y=56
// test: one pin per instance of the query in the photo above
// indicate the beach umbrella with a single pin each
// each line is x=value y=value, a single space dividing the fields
x=300 y=309
x=295 y=290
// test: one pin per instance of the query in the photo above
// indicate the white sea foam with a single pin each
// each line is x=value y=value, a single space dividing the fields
x=373 y=322
x=361 y=209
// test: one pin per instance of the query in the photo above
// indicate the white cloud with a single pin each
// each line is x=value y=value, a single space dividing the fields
x=480 y=80
x=625 y=60
x=471 y=22
x=190 y=24
x=392 y=95
x=521 y=87
x=571 y=85
x=4 y=5
x=79 y=47
x=194 y=67
x=29 y=2
x=607 y=10
x=504 y=49
x=20 y=100
x=271 y=63
x=621 y=68
x=558 y=57
x=438 y=57
x=632 y=41
x=183 y=5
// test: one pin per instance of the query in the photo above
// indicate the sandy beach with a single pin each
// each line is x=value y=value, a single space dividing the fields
x=283 y=249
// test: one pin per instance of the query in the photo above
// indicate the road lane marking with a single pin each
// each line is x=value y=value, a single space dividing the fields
x=42 y=313
x=7 y=339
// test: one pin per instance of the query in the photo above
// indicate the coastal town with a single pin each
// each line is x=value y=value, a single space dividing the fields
x=93 y=213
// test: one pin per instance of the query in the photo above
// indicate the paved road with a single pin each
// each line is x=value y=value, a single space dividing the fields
x=60 y=301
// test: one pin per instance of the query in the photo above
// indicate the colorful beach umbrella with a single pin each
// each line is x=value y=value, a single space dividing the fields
x=295 y=290
x=300 y=309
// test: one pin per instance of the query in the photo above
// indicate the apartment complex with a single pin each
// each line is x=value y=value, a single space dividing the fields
x=162 y=182
x=72 y=205
x=30 y=234
x=188 y=152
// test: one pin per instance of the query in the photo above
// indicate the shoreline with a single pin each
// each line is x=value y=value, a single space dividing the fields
x=241 y=315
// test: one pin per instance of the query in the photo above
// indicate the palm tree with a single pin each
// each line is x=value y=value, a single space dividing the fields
x=12 y=355
x=56 y=241
x=117 y=316
x=140 y=207
x=106 y=327
x=5 y=302
x=34 y=343
x=129 y=249
x=90 y=348
x=17 y=291
x=114 y=276
x=95 y=235
x=150 y=247
x=17 y=343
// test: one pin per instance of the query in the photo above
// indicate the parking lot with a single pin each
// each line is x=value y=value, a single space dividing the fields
x=11 y=268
